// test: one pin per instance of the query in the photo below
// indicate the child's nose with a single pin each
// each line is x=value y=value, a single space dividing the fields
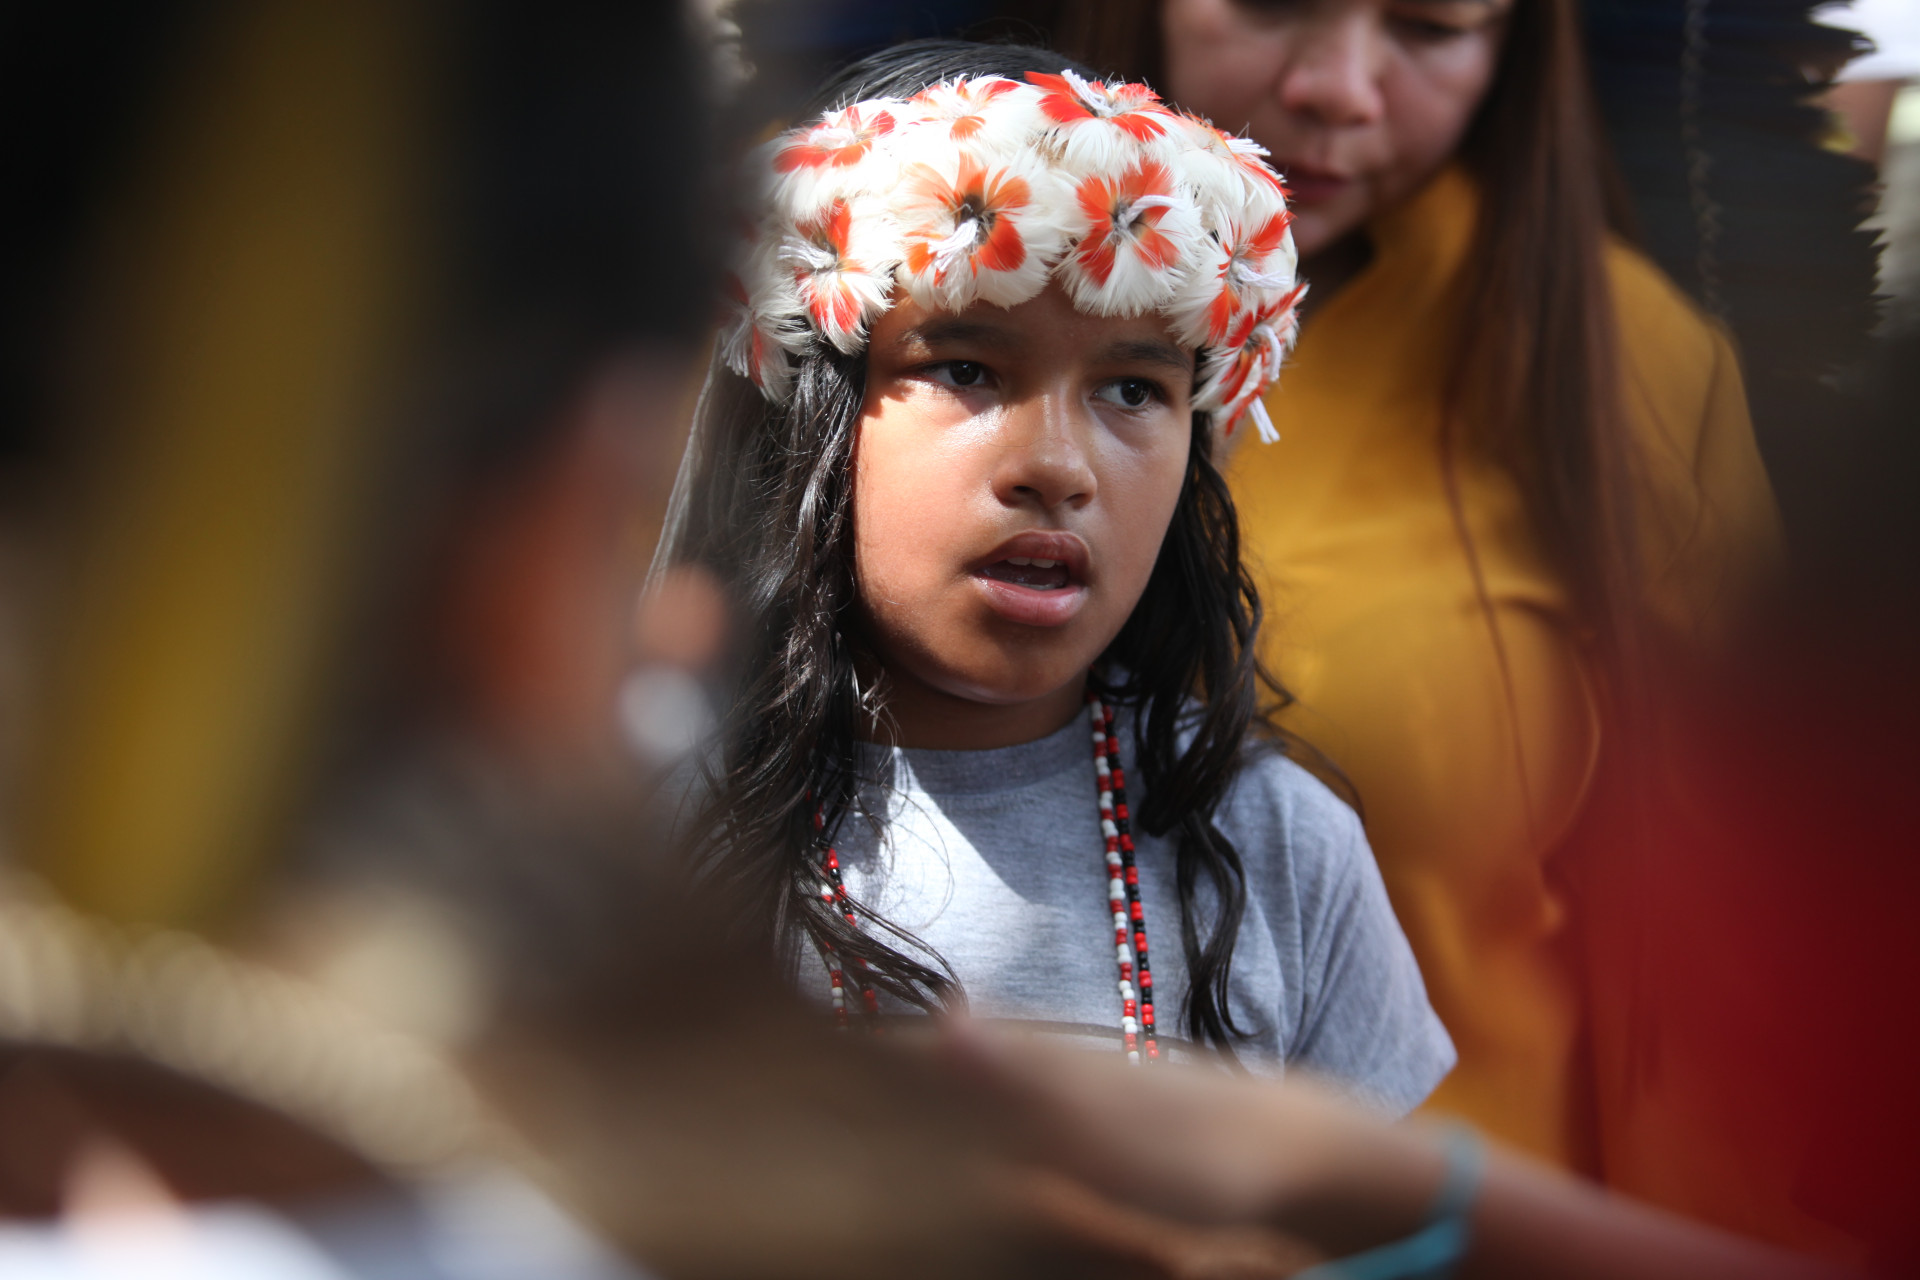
x=1047 y=459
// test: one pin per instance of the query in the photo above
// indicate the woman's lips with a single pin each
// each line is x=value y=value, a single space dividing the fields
x=1313 y=186
x=1037 y=578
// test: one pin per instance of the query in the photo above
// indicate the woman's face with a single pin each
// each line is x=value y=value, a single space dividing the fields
x=1015 y=471
x=1360 y=101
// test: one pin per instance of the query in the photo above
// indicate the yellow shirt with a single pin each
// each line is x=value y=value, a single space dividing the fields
x=1471 y=771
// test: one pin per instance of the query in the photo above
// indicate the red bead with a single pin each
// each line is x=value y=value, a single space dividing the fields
x=1137 y=913
x=1140 y=941
x=1113 y=844
x=1146 y=1015
x=1126 y=842
x=1146 y=978
x=1132 y=1042
x=872 y=999
x=1133 y=875
x=1126 y=972
x=1127 y=1008
x=1120 y=811
x=1117 y=779
x=1153 y=1049
x=833 y=860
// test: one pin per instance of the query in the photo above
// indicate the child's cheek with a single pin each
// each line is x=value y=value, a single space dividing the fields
x=905 y=521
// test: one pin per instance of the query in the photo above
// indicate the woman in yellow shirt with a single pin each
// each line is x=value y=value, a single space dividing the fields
x=1514 y=462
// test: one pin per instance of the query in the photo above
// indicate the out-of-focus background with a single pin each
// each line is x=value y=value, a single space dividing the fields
x=348 y=353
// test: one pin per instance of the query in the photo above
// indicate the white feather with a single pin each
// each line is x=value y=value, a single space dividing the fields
x=1135 y=284
x=997 y=122
x=944 y=230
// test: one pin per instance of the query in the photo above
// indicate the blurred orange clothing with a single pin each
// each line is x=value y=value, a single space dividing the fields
x=1471 y=771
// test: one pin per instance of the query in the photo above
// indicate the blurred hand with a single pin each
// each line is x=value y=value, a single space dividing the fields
x=1192 y=1142
x=774 y=1147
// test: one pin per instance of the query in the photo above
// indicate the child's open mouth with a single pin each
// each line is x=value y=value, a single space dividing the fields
x=1037 y=578
x=1021 y=571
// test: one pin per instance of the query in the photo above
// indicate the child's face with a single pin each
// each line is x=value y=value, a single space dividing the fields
x=1015 y=472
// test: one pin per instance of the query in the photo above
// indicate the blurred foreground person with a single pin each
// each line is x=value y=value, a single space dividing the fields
x=338 y=537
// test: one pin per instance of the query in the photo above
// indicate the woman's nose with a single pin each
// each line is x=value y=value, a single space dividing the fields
x=1332 y=74
x=1046 y=456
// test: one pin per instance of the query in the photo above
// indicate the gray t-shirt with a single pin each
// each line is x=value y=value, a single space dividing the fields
x=994 y=861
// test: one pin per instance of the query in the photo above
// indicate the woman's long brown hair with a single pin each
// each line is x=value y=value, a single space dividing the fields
x=1536 y=378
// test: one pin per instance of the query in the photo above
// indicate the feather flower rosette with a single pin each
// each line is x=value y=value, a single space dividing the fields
x=989 y=189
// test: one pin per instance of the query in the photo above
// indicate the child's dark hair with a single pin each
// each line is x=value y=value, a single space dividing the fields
x=770 y=513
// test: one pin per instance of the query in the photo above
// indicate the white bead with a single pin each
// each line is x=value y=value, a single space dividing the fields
x=839 y=995
x=1107 y=829
x=1126 y=989
x=1133 y=1056
x=1100 y=766
x=1115 y=889
x=1106 y=801
x=1097 y=709
x=1125 y=957
x=826 y=893
x=1130 y=1026
x=1113 y=860
x=1119 y=920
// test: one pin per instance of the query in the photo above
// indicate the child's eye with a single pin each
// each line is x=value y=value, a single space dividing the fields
x=1129 y=393
x=958 y=373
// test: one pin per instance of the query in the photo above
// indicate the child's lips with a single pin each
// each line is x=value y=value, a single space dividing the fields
x=1044 y=575
x=1033 y=606
x=1037 y=578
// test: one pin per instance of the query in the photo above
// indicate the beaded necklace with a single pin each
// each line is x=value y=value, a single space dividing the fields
x=1123 y=899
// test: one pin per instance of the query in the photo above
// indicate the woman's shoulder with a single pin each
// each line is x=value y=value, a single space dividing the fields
x=1678 y=362
x=1647 y=294
x=1708 y=521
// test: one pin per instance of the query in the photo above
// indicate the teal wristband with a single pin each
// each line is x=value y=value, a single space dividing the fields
x=1432 y=1252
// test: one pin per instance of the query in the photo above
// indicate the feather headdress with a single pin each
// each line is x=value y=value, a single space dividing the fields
x=986 y=189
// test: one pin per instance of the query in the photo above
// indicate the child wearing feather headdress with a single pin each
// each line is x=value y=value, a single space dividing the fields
x=996 y=733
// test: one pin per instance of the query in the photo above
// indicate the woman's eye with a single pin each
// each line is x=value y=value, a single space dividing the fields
x=1129 y=393
x=959 y=373
x=1429 y=28
x=1429 y=32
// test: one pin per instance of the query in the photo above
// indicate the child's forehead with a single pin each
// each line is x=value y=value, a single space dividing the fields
x=1048 y=321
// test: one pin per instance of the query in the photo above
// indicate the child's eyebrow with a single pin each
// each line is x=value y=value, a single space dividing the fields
x=1150 y=351
x=958 y=329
